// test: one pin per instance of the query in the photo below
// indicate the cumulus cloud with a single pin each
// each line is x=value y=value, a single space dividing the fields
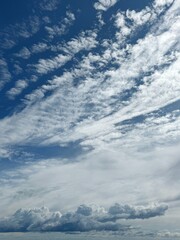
x=141 y=212
x=104 y=5
x=29 y=219
x=85 y=218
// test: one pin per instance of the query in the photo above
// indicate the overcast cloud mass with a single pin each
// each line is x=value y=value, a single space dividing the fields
x=90 y=116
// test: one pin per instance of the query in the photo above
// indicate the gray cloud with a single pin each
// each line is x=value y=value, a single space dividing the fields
x=85 y=218
x=141 y=212
x=169 y=234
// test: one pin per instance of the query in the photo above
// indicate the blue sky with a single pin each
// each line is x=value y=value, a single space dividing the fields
x=90 y=115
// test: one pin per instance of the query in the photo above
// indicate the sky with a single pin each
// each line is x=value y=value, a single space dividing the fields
x=90 y=116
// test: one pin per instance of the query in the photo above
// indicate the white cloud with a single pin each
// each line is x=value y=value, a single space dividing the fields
x=19 y=87
x=61 y=28
x=141 y=17
x=23 y=53
x=45 y=65
x=104 y=5
x=85 y=41
x=159 y=3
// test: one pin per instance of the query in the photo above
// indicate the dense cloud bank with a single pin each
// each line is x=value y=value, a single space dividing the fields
x=84 y=219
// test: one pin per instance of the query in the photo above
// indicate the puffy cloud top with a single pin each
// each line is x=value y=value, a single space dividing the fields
x=131 y=212
x=85 y=218
x=84 y=210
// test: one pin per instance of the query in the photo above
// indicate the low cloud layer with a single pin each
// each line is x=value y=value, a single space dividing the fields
x=84 y=219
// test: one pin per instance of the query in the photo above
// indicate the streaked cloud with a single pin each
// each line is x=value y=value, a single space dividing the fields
x=61 y=28
x=72 y=47
x=44 y=66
